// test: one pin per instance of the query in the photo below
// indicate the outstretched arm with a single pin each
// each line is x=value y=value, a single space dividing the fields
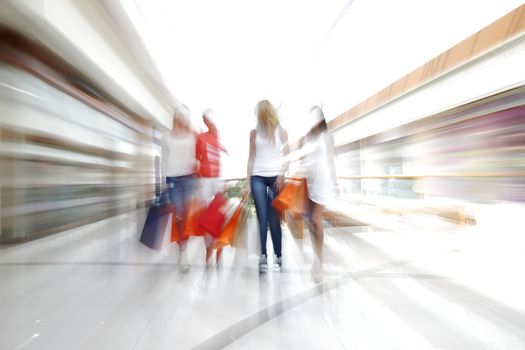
x=251 y=156
x=286 y=152
x=198 y=153
x=331 y=160
x=222 y=148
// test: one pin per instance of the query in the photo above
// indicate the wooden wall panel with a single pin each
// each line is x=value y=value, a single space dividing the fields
x=494 y=34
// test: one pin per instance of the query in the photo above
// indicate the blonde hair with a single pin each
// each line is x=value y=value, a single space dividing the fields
x=267 y=118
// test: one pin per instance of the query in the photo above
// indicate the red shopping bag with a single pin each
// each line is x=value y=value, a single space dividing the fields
x=212 y=219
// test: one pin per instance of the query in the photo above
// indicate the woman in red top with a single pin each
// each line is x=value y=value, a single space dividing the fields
x=207 y=153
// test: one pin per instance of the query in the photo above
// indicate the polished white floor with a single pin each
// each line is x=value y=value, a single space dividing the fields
x=423 y=287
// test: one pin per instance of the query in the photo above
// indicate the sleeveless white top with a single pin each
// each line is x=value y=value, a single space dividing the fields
x=268 y=160
x=320 y=180
x=181 y=155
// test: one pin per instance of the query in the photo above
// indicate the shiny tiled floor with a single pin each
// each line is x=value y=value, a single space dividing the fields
x=98 y=288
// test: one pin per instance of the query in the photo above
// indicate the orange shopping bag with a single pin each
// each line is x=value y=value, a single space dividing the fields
x=195 y=211
x=228 y=232
x=175 y=237
x=292 y=197
x=300 y=200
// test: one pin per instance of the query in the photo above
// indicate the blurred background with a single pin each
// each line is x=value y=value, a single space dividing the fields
x=88 y=89
x=424 y=100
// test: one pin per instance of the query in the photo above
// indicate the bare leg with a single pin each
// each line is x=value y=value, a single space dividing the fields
x=218 y=257
x=183 y=258
x=317 y=238
x=208 y=241
x=209 y=252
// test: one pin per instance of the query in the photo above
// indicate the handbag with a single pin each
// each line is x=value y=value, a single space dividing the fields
x=212 y=219
x=292 y=197
x=155 y=225
x=239 y=236
x=231 y=227
x=176 y=235
x=195 y=211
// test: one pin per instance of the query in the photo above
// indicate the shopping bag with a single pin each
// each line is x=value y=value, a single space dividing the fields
x=195 y=211
x=292 y=197
x=228 y=231
x=284 y=199
x=298 y=207
x=155 y=226
x=176 y=235
x=213 y=218
x=239 y=235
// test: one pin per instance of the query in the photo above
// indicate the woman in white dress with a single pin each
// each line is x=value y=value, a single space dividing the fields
x=319 y=169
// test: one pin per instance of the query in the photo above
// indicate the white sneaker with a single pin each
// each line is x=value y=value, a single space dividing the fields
x=317 y=272
x=183 y=262
x=263 y=264
x=277 y=263
x=183 y=259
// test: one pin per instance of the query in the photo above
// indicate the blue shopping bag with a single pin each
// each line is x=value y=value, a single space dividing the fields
x=156 y=224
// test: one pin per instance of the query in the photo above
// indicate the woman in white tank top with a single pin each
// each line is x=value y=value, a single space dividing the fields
x=179 y=162
x=266 y=168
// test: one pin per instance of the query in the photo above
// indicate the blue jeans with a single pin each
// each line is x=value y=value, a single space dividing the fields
x=263 y=192
x=181 y=189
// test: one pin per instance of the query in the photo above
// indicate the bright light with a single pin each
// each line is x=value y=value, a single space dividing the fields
x=227 y=55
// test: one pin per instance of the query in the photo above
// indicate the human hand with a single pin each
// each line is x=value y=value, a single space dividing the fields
x=279 y=183
x=196 y=167
x=246 y=188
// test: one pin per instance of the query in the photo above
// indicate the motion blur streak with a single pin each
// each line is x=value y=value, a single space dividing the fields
x=72 y=153
x=68 y=155
x=441 y=164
